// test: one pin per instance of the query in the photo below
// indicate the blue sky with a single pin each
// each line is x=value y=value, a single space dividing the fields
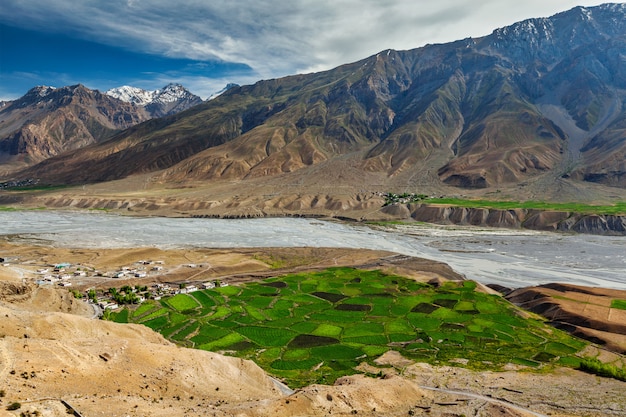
x=206 y=44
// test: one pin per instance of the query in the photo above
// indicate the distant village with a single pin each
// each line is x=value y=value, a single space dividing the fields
x=65 y=275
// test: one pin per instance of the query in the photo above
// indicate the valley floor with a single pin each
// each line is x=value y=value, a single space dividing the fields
x=51 y=350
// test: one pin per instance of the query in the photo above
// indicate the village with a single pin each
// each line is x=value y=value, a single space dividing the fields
x=132 y=284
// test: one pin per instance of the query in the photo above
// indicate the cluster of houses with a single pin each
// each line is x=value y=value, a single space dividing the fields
x=204 y=286
x=64 y=273
x=404 y=198
x=60 y=274
x=140 y=271
x=18 y=183
x=157 y=291
x=160 y=290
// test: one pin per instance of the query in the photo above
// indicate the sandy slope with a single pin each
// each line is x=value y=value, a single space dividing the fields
x=106 y=369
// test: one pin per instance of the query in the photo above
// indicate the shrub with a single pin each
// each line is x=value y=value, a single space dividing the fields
x=14 y=406
x=594 y=366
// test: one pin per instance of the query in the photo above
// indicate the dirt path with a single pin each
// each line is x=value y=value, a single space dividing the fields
x=485 y=398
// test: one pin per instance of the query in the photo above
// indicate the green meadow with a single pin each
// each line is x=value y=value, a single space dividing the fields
x=618 y=208
x=316 y=327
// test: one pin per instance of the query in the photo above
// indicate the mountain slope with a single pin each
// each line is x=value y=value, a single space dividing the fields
x=49 y=121
x=541 y=101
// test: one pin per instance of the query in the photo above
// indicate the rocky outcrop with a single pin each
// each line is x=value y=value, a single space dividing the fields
x=561 y=221
x=595 y=224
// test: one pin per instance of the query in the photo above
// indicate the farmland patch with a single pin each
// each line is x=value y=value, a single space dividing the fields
x=317 y=327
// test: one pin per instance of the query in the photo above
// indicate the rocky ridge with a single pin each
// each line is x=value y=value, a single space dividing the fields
x=545 y=220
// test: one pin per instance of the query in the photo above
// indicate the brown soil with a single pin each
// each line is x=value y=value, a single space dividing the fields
x=230 y=265
x=49 y=351
x=584 y=311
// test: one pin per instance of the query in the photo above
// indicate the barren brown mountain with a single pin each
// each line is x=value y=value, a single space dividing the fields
x=537 y=105
x=49 y=121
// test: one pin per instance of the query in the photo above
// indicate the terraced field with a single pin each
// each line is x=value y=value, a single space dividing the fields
x=317 y=327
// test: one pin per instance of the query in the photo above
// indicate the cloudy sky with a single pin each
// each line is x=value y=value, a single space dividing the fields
x=205 y=44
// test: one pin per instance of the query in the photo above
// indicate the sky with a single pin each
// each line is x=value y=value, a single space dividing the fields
x=206 y=44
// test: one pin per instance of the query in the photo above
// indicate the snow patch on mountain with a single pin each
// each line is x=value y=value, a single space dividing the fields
x=222 y=91
x=43 y=90
x=172 y=93
x=169 y=94
x=132 y=95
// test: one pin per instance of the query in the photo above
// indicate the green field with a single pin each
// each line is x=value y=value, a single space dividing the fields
x=182 y=302
x=317 y=327
x=615 y=209
x=620 y=304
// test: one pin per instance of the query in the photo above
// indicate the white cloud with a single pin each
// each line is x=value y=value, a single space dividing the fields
x=273 y=38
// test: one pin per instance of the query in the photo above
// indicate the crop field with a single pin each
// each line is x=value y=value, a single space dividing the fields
x=618 y=208
x=316 y=327
x=182 y=302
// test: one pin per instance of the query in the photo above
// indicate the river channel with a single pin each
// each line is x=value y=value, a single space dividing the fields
x=512 y=258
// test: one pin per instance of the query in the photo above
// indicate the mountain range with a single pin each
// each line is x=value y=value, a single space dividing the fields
x=171 y=99
x=49 y=121
x=539 y=104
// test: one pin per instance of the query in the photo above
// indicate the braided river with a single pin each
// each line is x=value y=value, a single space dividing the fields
x=512 y=258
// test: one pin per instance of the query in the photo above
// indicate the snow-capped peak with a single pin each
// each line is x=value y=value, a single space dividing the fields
x=41 y=90
x=44 y=90
x=132 y=95
x=168 y=94
x=171 y=93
